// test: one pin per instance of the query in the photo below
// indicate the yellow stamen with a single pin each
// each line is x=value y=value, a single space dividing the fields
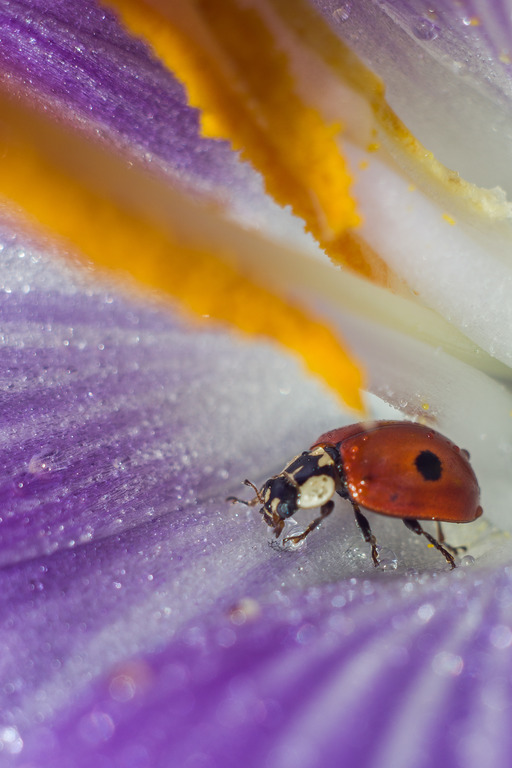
x=390 y=132
x=117 y=238
x=235 y=71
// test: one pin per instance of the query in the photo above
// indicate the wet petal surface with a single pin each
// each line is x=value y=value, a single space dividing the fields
x=386 y=667
x=127 y=431
x=146 y=622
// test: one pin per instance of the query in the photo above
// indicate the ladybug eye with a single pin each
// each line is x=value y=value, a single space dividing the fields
x=282 y=497
x=286 y=509
x=428 y=465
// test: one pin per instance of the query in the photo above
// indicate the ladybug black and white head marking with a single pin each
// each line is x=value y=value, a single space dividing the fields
x=280 y=497
x=307 y=481
x=314 y=475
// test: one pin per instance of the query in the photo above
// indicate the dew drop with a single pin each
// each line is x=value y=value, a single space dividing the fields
x=40 y=464
x=291 y=528
x=447 y=664
x=467 y=561
x=388 y=559
x=425 y=29
x=425 y=612
x=246 y=609
x=338 y=601
x=10 y=740
x=226 y=637
x=342 y=12
x=306 y=634
x=501 y=636
x=96 y=727
x=36 y=585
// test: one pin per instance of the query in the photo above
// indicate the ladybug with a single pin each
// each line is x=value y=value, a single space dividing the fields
x=395 y=468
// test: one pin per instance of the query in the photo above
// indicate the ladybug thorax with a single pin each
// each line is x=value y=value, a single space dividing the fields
x=314 y=475
x=307 y=481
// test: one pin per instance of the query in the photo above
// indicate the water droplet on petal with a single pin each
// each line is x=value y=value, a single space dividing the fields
x=246 y=609
x=501 y=636
x=36 y=585
x=447 y=664
x=291 y=528
x=306 y=634
x=96 y=727
x=226 y=637
x=388 y=559
x=425 y=29
x=342 y=12
x=425 y=612
x=122 y=688
x=10 y=740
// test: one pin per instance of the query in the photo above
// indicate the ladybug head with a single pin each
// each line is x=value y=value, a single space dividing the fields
x=280 y=497
x=307 y=481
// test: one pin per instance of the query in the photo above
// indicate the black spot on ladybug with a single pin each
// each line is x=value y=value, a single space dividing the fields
x=428 y=465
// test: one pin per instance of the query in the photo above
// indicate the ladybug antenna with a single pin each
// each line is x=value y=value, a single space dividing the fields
x=236 y=500
x=257 y=499
x=256 y=491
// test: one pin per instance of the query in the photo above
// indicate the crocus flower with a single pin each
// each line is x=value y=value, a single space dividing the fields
x=144 y=621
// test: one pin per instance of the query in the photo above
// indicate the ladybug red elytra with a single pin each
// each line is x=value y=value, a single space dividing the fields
x=395 y=468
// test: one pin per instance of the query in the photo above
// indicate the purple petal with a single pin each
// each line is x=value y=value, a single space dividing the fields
x=81 y=61
x=79 y=56
x=107 y=402
x=123 y=431
x=145 y=621
x=78 y=60
x=447 y=71
x=408 y=672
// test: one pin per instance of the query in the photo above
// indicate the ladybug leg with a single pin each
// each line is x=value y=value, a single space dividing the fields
x=413 y=525
x=277 y=525
x=252 y=503
x=273 y=520
x=325 y=510
x=364 y=527
x=442 y=540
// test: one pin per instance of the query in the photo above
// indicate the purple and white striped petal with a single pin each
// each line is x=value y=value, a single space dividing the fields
x=450 y=242
x=76 y=60
x=447 y=68
x=126 y=431
x=377 y=673
x=145 y=622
